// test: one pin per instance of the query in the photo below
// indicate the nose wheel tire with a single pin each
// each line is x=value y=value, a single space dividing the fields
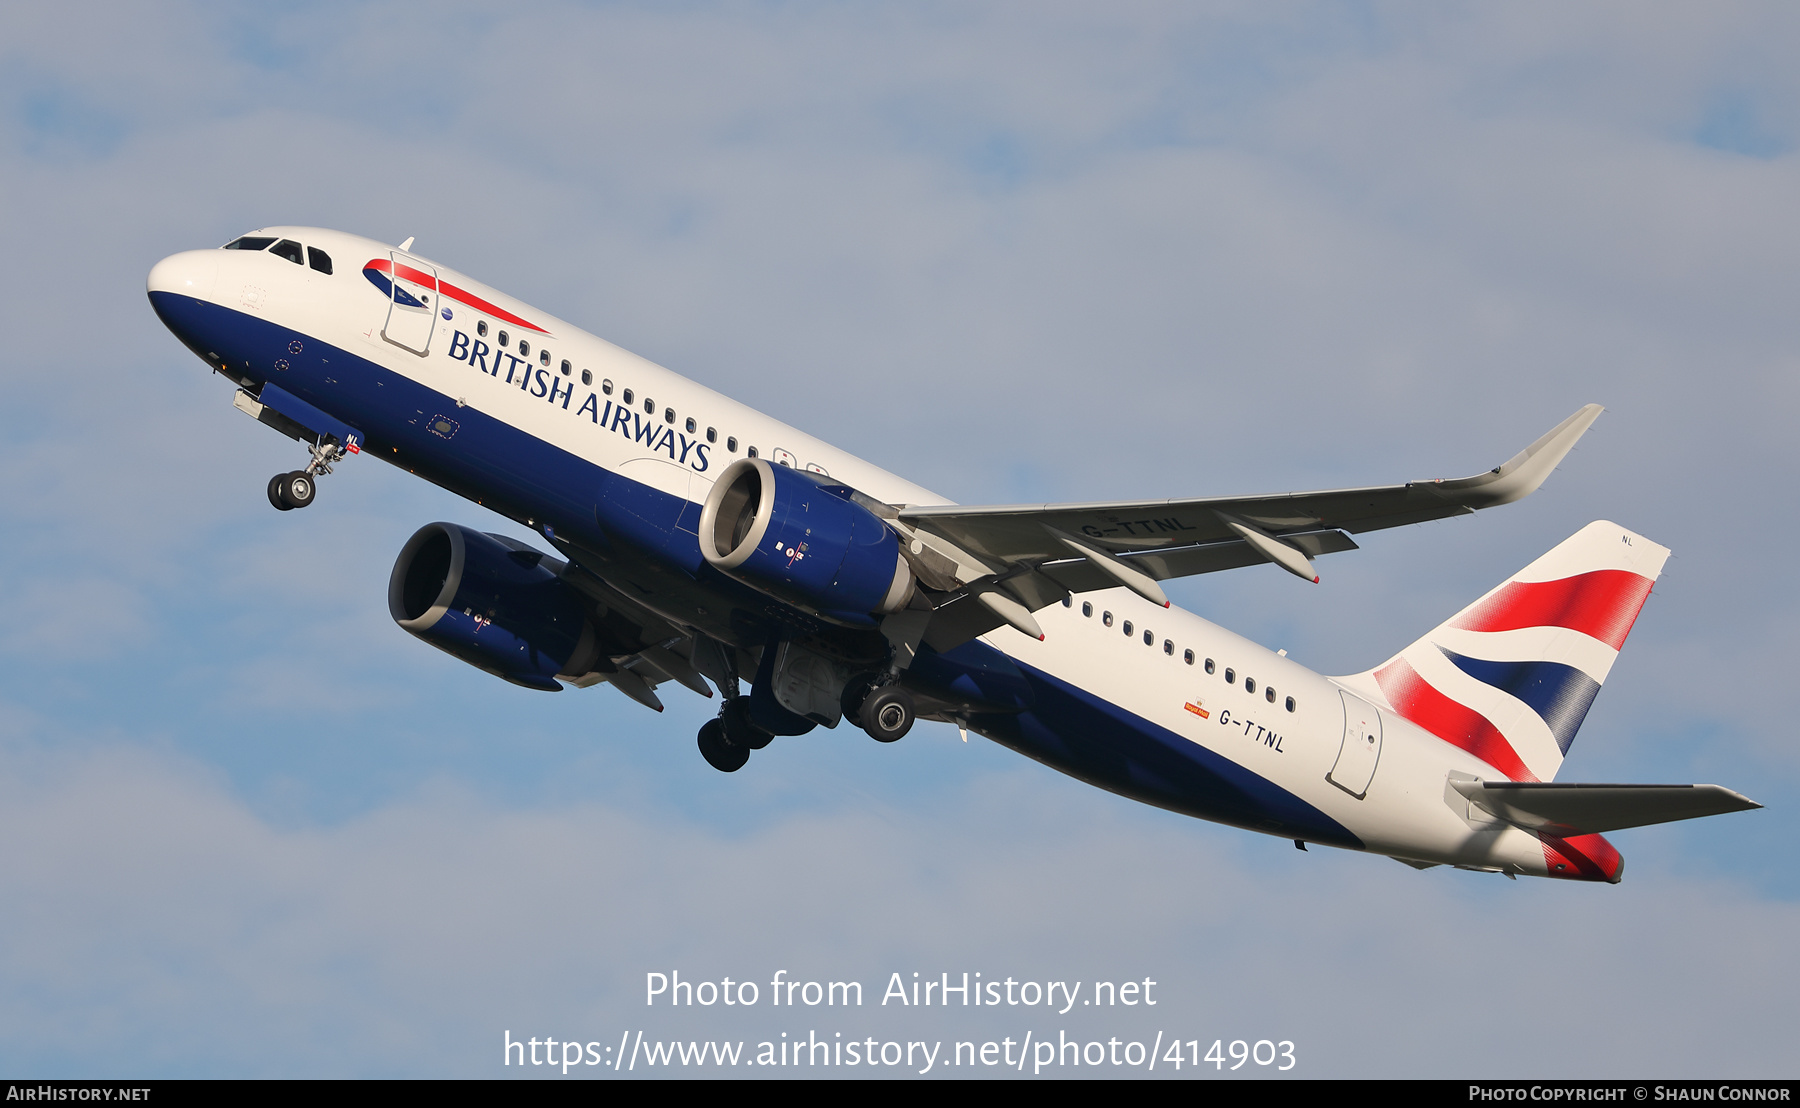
x=294 y=490
x=719 y=754
x=887 y=714
x=275 y=493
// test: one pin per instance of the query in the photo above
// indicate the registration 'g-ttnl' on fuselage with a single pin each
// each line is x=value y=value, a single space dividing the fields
x=707 y=545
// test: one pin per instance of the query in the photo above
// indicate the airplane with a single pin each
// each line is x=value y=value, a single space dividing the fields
x=707 y=545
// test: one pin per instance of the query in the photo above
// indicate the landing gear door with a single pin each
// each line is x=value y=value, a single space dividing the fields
x=1361 y=749
x=412 y=308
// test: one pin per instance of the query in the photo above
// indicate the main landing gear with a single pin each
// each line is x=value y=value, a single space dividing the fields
x=726 y=742
x=885 y=711
x=288 y=491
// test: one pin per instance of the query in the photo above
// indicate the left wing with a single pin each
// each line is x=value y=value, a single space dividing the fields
x=1015 y=559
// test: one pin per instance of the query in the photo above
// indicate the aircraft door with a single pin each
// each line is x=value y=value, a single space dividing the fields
x=412 y=306
x=1361 y=749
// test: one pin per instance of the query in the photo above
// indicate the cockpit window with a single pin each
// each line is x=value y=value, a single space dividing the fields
x=250 y=242
x=320 y=260
x=289 y=249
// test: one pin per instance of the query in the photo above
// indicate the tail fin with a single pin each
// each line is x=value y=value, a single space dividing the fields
x=1511 y=677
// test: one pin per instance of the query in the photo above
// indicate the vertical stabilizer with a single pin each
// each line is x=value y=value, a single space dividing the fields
x=1511 y=677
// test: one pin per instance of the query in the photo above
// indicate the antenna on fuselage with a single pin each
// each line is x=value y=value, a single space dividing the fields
x=407 y=245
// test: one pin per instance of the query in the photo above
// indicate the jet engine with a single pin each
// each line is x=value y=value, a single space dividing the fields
x=802 y=539
x=495 y=603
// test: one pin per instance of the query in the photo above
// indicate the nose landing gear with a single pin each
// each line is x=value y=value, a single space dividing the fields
x=288 y=491
x=297 y=489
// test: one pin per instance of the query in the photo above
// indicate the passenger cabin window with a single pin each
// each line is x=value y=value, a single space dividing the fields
x=691 y=425
x=1209 y=665
x=319 y=260
x=481 y=328
x=669 y=416
x=1128 y=629
x=606 y=386
x=628 y=398
x=543 y=357
x=649 y=406
x=587 y=377
x=1230 y=676
x=1169 y=647
x=1106 y=619
x=1150 y=640
x=524 y=349
x=752 y=452
x=1087 y=609
x=289 y=249
x=731 y=444
x=1249 y=684
x=567 y=369
x=502 y=339
x=712 y=435
x=250 y=242
x=1188 y=657
x=1269 y=694
x=1068 y=602
x=1290 y=703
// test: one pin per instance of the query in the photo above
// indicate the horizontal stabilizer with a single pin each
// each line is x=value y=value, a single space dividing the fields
x=1567 y=809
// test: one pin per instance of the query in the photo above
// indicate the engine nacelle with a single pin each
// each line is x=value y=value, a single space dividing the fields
x=493 y=603
x=797 y=536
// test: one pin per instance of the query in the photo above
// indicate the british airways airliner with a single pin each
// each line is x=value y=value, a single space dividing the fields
x=704 y=544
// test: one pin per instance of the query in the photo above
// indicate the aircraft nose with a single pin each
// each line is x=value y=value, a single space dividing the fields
x=189 y=273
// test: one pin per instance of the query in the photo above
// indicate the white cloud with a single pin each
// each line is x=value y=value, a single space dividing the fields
x=158 y=927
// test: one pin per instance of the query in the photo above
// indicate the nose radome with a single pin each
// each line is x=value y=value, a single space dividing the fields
x=189 y=273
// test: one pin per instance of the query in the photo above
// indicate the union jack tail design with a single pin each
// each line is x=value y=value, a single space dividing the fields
x=1511 y=677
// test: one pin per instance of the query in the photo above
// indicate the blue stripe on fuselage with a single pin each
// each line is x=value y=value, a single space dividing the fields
x=521 y=476
x=505 y=468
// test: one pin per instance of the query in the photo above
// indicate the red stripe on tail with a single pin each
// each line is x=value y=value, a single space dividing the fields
x=1414 y=698
x=1602 y=604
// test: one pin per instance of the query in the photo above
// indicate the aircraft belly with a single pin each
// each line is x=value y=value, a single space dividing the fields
x=1079 y=723
x=1105 y=745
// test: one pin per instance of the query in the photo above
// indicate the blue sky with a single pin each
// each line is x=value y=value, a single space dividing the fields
x=1011 y=252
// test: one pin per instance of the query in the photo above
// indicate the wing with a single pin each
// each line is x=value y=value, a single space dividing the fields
x=636 y=650
x=1009 y=557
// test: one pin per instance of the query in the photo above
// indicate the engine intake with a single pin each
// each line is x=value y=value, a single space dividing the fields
x=495 y=603
x=802 y=539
